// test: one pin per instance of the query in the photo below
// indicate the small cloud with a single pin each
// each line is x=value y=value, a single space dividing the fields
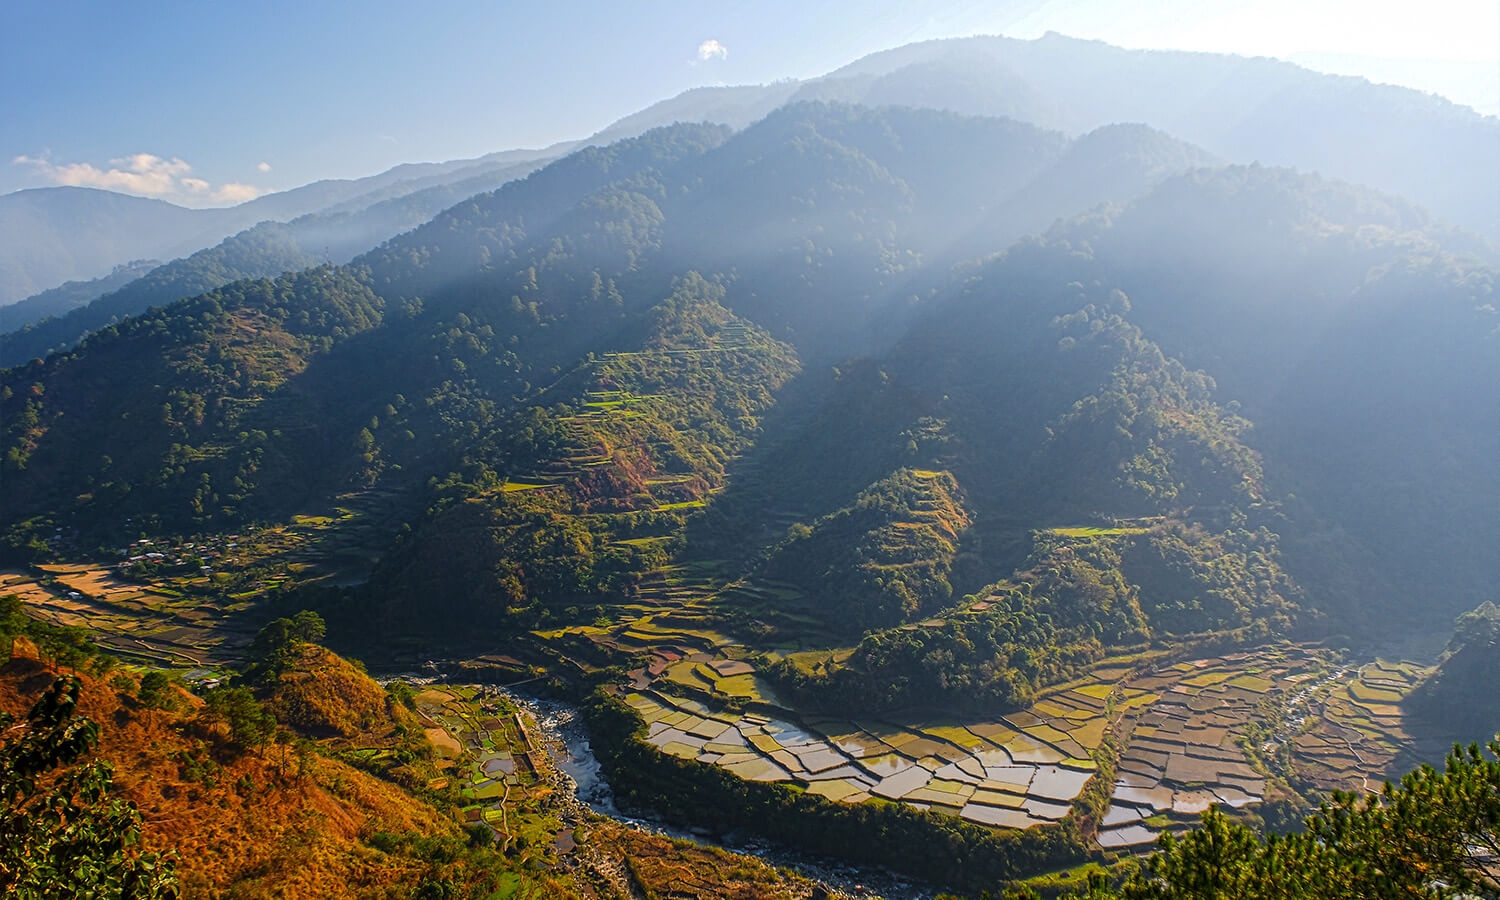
x=195 y=185
x=712 y=49
x=234 y=192
x=263 y=167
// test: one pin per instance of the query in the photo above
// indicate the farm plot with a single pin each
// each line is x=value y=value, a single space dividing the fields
x=1191 y=734
x=172 y=602
x=1187 y=749
x=1013 y=774
x=1355 y=734
x=151 y=623
x=1184 y=728
x=490 y=755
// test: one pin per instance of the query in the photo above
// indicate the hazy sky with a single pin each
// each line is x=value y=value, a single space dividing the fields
x=212 y=102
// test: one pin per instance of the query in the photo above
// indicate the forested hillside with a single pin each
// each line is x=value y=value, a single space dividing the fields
x=803 y=454
x=544 y=354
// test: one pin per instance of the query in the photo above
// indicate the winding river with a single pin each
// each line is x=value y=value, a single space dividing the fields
x=583 y=780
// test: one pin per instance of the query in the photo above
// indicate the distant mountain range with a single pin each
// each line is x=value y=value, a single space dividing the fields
x=927 y=387
x=62 y=234
x=1418 y=146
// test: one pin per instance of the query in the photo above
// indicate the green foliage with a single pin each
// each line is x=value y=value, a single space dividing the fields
x=62 y=834
x=264 y=251
x=249 y=726
x=1074 y=598
x=157 y=690
x=884 y=560
x=64 y=645
x=184 y=440
x=1434 y=835
x=276 y=645
x=620 y=449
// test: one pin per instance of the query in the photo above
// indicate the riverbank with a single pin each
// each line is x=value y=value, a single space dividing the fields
x=581 y=776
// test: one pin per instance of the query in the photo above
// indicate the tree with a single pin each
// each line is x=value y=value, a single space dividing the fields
x=156 y=690
x=275 y=645
x=250 y=725
x=1437 y=834
x=62 y=833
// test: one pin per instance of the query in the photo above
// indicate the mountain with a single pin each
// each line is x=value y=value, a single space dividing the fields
x=53 y=235
x=1234 y=109
x=1157 y=422
x=266 y=249
x=71 y=295
x=800 y=421
x=60 y=234
x=316 y=811
x=262 y=251
x=1240 y=109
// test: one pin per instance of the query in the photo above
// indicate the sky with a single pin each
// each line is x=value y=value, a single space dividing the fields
x=214 y=103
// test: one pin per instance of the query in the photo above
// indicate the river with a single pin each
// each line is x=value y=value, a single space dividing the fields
x=583 y=779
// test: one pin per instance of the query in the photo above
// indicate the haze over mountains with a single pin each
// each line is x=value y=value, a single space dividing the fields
x=973 y=374
x=1239 y=110
x=815 y=223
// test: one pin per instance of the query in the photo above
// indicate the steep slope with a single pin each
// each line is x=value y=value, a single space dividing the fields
x=1111 y=164
x=543 y=370
x=159 y=418
x=1361 y=339
x=883 y=560
x=245 y=821
x=1242 y=109
x=264 y=251
x=53 y=235
x=577 y=496
x=1112 y=500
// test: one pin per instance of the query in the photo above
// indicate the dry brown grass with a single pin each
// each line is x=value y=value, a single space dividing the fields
x=681 y=869
x=252 y=824
x=326 y=695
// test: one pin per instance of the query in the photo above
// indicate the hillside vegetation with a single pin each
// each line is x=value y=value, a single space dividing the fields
x=642 y=353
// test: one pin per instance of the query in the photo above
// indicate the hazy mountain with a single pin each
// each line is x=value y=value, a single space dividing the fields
x=52 y=235
x=1443 y=156
x=736 y=107
x=71 y=295
x=263 y=251
x=1225 y=365
x=1242 y=110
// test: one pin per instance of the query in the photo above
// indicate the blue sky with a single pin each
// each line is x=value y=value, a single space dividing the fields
x=208 y=103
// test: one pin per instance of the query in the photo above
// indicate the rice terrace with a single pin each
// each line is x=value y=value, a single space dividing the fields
x=1183 y=733
x=997 y=466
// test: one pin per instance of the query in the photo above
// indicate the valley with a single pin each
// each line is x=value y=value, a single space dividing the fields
x=987 y=501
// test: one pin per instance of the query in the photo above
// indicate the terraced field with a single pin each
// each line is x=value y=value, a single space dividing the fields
x=175 y=603
x=1188 y=729
x=489 y=752
x=1354 y=734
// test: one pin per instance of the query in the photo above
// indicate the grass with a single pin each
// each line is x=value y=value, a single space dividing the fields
x=1088 y=531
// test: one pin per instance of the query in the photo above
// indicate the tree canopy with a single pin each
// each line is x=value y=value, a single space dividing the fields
x=62 y=831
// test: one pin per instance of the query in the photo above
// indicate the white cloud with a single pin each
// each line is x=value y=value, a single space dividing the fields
x=140 y=173
x=712 y=49
x=263 y=167
x=234 y=192
x=144 y=174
